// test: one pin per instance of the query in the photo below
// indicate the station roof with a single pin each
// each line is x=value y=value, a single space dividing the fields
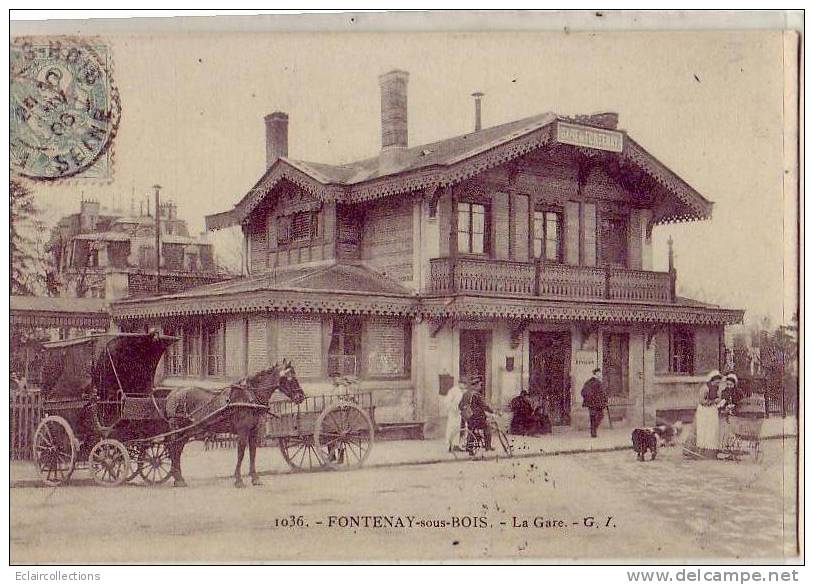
x=447 y=162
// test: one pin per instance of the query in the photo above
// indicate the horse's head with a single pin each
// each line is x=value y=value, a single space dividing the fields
x=289 y=385
x=280 y=377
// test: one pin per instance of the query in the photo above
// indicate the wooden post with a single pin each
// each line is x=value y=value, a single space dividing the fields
x=453 y=239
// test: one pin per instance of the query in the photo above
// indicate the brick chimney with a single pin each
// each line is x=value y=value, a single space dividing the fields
x=276 y=137
x=394 y=109
x=393 y=86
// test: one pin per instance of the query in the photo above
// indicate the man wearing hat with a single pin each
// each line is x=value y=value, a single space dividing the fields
x=474 y=408
x=595 y=399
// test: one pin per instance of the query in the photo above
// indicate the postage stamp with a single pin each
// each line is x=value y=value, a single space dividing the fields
x=64 y=108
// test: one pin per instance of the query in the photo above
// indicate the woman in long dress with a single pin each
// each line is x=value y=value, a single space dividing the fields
x=707 y=435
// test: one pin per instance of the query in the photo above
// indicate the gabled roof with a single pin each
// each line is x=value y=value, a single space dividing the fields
x=329 y=286
x=447 y=162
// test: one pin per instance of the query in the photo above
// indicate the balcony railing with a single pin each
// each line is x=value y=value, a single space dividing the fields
x=483 y=276
x=547 y=280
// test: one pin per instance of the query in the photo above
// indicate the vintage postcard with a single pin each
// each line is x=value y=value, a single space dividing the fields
x=293 y=289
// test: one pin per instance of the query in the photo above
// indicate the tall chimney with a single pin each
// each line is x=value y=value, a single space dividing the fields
x=393 y=85
x=477 y=95
x=276 y=137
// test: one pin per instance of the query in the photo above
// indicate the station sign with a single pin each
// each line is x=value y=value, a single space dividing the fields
x=589 y=137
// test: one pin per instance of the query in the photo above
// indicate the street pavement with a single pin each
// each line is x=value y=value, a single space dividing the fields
x=591 y=505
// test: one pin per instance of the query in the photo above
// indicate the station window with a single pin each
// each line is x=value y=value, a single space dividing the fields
x=346 y=346
x=473 y=228
x=299 y=227
x=682 y=349
x=548 y=235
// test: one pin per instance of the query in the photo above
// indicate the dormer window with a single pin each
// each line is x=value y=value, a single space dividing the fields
x=297 y=228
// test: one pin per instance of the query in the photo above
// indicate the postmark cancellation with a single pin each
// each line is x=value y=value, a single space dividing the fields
x=64 y=110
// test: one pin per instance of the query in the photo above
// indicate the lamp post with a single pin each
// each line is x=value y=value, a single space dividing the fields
x=157 y=219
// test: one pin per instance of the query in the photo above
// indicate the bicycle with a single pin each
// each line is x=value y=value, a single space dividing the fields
x=473 y=443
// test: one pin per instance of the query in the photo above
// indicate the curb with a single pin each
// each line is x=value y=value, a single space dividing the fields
x=33 y=483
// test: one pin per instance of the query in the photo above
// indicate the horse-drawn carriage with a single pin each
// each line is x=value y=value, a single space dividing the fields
x=103 y=411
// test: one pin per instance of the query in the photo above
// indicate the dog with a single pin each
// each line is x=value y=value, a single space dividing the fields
x=650 y=439
x=644 y=440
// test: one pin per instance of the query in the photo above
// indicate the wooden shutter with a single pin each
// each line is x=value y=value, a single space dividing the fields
x=520 y=210
x=572 y=232
x=589 y=234
x=500 y=213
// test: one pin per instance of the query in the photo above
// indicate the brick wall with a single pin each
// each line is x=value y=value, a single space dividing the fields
x=258 y=350
x=387 y=354
x=299 y=339
x=387 y=241
x=707 y=348
x=234 y=348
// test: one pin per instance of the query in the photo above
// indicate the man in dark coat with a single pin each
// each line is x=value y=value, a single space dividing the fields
x=477 y=409
x=595 y=399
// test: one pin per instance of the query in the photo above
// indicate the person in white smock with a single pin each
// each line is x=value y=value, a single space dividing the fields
x=707 y=421
x=450 y=405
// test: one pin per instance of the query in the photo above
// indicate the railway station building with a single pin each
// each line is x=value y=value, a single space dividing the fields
x=521 y=253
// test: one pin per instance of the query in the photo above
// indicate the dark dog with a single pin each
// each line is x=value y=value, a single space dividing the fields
x=644 y=440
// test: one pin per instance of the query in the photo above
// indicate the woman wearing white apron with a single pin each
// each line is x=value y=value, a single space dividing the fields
x=707 y=421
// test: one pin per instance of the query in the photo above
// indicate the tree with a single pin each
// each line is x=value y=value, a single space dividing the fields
x=778 y=355
x=22 y=217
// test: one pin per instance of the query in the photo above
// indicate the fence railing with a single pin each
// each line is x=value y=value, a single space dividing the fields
x=24 y=416
x=549 y=280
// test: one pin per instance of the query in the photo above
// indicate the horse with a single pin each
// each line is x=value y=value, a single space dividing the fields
x=243 y=421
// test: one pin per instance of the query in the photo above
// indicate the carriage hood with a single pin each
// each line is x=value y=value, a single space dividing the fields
x=105 y=363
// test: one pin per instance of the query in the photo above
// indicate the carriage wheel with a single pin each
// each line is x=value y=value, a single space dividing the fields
x=109 y=463
x=344 y=436
x=155 y=465
x=134 y=451
x=55 y=448
x=300 y=452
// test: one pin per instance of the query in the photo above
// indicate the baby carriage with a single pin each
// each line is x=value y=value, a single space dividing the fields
x=741 y=429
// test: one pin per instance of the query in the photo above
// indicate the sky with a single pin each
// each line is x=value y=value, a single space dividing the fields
x=706 y=104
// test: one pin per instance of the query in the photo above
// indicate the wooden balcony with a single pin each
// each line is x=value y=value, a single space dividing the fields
x=550 y=281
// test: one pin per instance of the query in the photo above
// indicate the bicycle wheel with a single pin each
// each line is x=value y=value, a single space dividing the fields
x=504 y=442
